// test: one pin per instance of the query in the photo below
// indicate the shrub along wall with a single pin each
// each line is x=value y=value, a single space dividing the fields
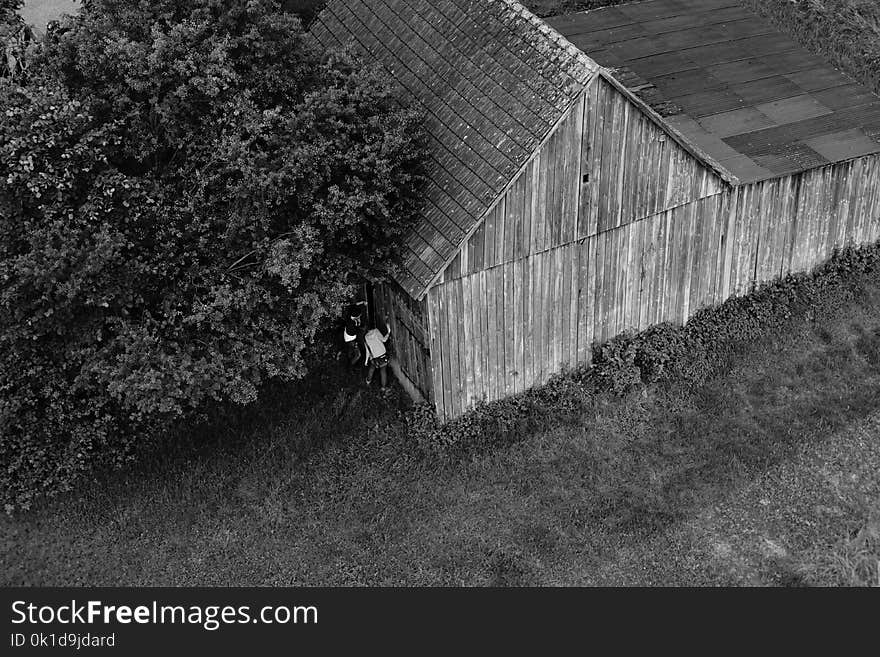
x=689 y=354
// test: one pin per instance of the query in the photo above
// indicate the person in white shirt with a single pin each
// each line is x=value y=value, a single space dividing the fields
x=377 y=355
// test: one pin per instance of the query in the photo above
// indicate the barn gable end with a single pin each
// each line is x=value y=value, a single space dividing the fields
x=493 y=81
x=610 y=161
x=589 y=233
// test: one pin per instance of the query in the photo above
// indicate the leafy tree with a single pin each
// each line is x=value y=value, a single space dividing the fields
x=307 y=10
x=187 y=193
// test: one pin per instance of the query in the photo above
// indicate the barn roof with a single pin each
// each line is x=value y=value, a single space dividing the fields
x=493 y=80
x=734 y=86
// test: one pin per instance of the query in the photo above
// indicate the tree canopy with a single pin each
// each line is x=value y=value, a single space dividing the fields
x=187 y=193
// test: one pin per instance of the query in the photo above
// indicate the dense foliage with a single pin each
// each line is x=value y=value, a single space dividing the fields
x=187 y=193
x=9 y=11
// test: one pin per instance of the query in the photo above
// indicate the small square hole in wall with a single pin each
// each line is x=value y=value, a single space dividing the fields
x=585 y=178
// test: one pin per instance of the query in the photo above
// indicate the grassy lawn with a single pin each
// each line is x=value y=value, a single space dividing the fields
x=768 y=473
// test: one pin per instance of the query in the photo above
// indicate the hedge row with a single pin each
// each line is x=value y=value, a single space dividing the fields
x=690 y=353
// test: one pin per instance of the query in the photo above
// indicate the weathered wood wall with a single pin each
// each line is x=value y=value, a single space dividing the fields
x=606 y=164
x=793 y=223
x=408 y=322
x=502 y=330
x=507 y=316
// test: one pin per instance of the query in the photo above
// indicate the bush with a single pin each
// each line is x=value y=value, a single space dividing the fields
x=187 y=193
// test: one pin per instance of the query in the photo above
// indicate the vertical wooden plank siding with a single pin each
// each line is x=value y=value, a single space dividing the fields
x=489 y=340
x=467 y=334
x=613 y=227
x=434 y=327
x=514 y=325
x=410 y=331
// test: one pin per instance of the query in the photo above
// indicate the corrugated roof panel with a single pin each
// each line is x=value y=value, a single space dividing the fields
x=749 y=95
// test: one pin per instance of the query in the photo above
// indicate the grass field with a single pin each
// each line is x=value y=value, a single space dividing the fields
x=767 y=473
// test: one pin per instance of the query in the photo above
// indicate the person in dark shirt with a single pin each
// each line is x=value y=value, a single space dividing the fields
x=353 y=333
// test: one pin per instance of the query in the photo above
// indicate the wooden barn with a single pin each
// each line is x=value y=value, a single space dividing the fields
x=602 y=172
